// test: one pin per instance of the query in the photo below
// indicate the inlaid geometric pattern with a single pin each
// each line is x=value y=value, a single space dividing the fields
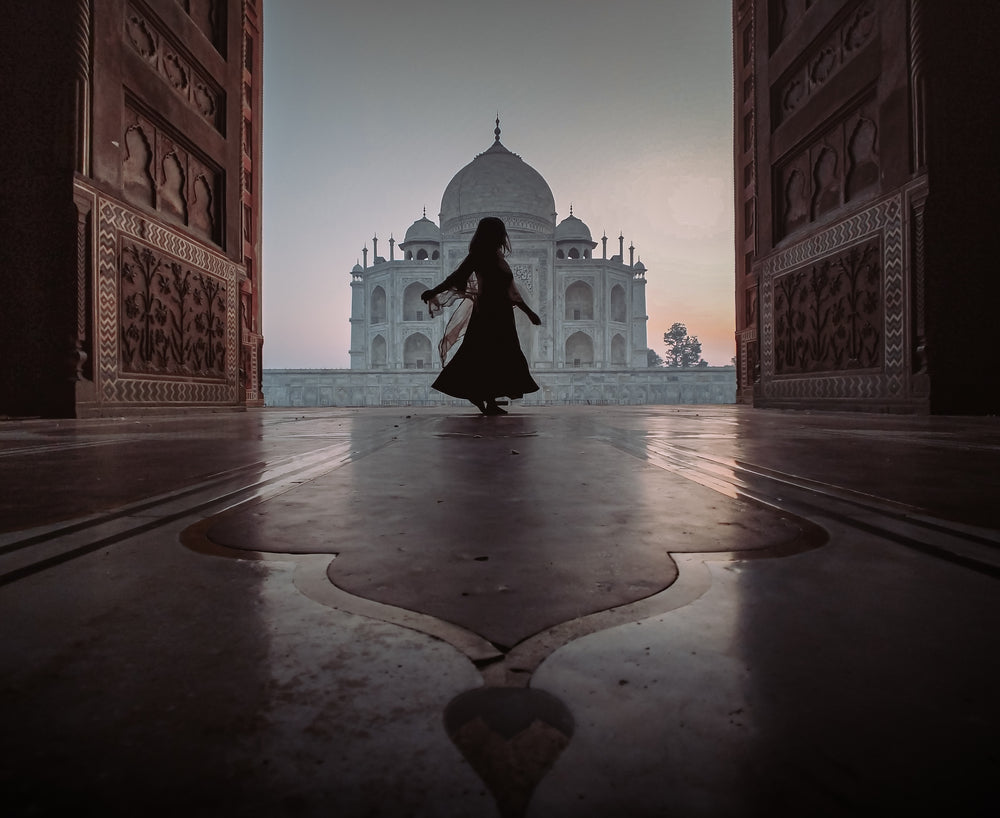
x=117 y=225
x=517 y=221
x=883 y=219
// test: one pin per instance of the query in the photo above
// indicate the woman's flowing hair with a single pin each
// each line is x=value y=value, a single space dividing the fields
x=490 y=234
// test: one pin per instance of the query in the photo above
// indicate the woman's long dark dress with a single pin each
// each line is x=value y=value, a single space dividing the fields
x=489 y=363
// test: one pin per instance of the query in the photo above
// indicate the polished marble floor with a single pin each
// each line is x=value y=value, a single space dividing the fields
x=576 y=611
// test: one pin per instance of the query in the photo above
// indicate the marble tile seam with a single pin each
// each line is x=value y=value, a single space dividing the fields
x=69 y=445
x=13 y=540
x=974 y=547
x=24 y=556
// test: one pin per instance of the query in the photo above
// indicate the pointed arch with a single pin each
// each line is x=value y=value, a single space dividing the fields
x=202 y=210
x=417 y=351
x=414 y=309
x=619 y=310
x=378 y=311
x=579 y=350
x=172 y=190
x=826 y=182
x=137 y=179
x=379 y=356
x=579 y=302
x=618 y=350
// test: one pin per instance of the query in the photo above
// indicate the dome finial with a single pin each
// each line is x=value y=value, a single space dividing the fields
x=496 y=130
x=425 y=211
x=570 y=208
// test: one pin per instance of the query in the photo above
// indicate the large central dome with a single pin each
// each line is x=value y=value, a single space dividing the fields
x=498 y=183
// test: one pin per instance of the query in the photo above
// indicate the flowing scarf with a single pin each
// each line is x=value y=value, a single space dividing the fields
x=467 y=296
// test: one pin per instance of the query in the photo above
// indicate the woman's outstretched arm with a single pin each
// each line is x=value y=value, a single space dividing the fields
x=456 y=281
x=532 y=315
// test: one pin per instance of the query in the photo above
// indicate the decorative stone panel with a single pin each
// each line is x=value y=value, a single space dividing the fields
x=161 y=173
x=828 y=315
x=172 y=316
x=824 y=60
x=190 y=82
x=526 y=222
x=209 y=16
x=833 y=311
x=167 y=314
x=837 y=168
x=784 y=17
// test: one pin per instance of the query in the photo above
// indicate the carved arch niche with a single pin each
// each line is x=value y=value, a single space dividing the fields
x=378 y=309
x=414 y=308
x=579 y=302
x=784 y=16
x=161 y=174
x=379 y=352
x=619 y=312
x=209 y=16
x=618 y=350
x=579 y=350
x=173 y=185
x=794 y=198
x=136 y=176
x=202 y=214
x=417 y=351
x=862 y=157
x=826 y=173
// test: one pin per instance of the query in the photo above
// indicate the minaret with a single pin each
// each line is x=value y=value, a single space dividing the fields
x=604 y=246
x=364 y=253
x=639 y=318
x=375 y=247
x=357 y=350
x=621 y=247
x=392 y=248
x=631 y=254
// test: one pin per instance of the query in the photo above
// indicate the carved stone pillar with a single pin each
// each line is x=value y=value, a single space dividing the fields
x=81 y=80
x=918 y=86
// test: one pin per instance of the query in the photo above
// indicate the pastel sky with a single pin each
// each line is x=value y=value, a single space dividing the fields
x=371 y=107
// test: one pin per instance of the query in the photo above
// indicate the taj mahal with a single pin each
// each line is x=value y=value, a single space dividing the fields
x=593 y=308
x=590 y=348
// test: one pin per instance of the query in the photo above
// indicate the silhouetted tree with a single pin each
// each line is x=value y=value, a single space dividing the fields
x=683 y=350
x=652 y=359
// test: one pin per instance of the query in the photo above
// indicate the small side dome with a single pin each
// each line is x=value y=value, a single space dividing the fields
x=573 y=229
x=422 y=230
x=640 y=267
x=358 y=269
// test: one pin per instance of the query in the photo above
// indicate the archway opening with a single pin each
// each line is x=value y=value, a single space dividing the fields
x=579 y=350
x=579 y=302
x=378 y=306
x=417 y=351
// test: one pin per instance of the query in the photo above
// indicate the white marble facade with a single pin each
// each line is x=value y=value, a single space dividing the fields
x=593 y=307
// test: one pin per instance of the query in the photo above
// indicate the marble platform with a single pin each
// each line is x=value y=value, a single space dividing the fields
x=567 y=611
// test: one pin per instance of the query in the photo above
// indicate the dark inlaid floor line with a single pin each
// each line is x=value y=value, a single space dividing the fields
x=232 y=487
x=971 y=547
x=286 y=523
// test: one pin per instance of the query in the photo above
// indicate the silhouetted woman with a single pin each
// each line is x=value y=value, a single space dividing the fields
x=489 y=363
